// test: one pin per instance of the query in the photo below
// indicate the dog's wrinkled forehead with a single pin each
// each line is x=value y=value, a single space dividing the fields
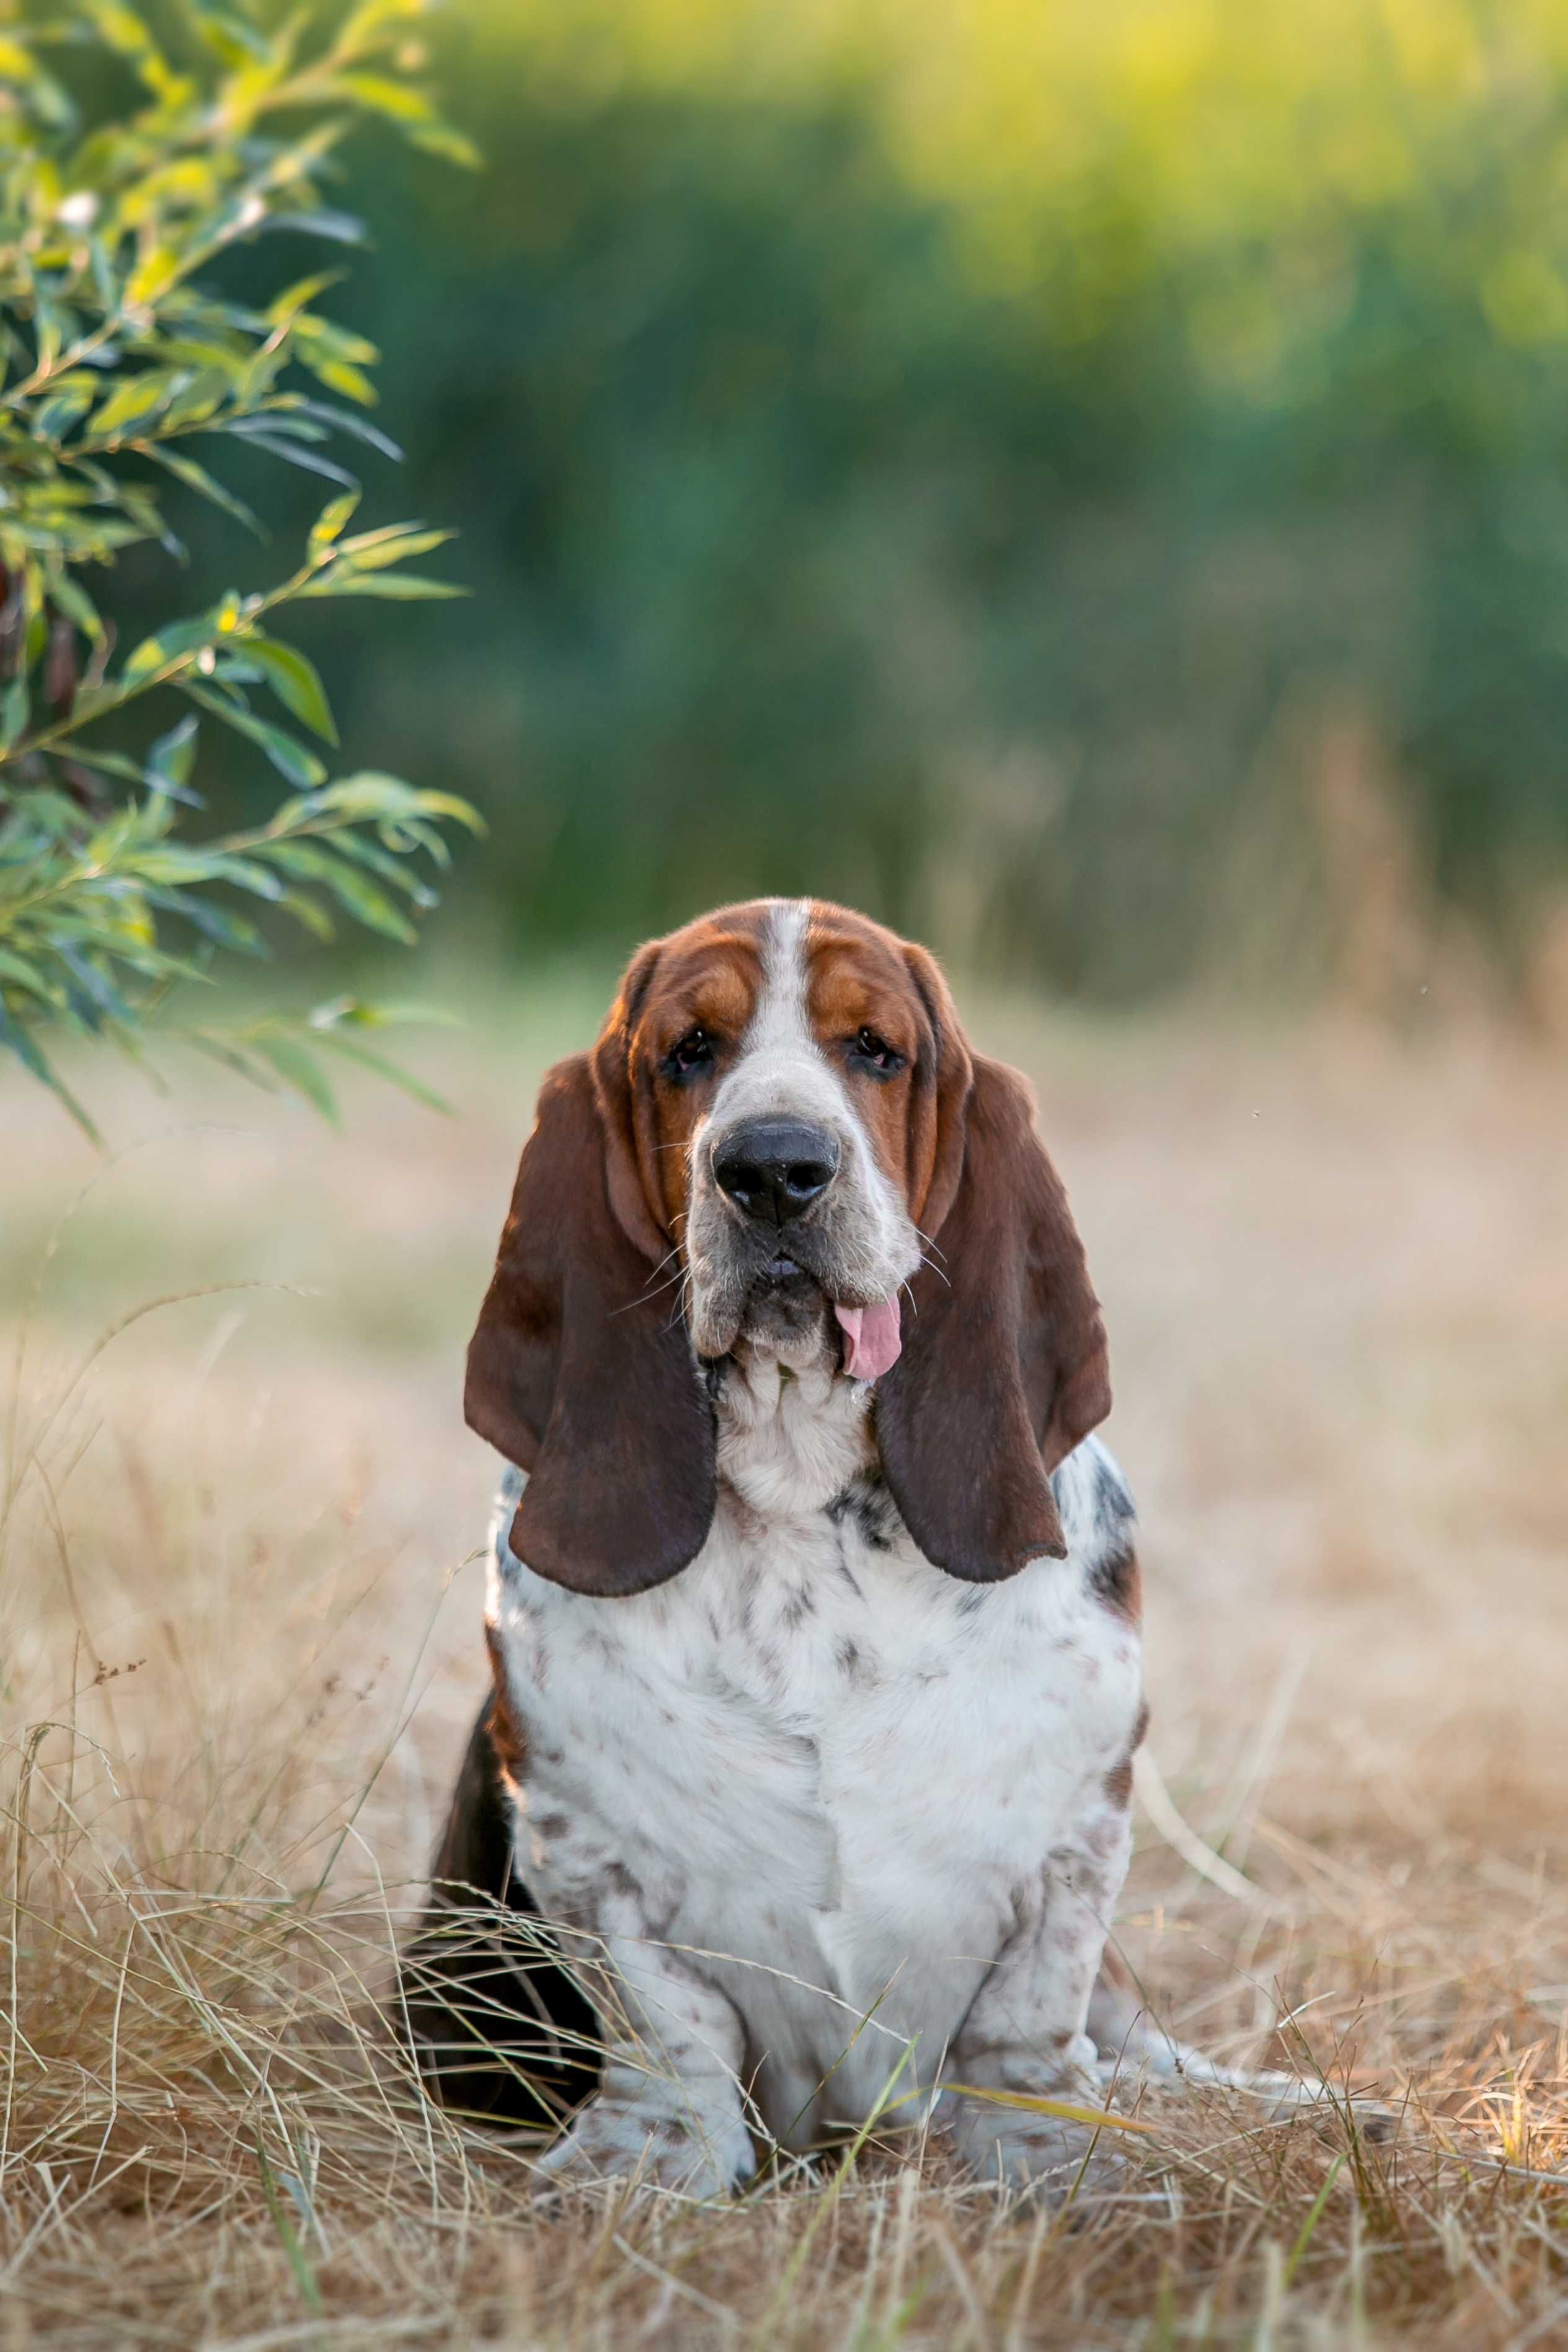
x=786 y=1006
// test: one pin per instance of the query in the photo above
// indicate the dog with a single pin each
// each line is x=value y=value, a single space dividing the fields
x=813 y=1604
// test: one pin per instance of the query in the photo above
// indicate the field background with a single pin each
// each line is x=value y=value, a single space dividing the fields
x=243 y=1569
x=1087 y=481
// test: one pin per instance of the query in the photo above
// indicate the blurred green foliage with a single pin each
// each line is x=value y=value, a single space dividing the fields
x=968 y=461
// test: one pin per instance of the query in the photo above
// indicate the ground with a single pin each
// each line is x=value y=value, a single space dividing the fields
x=240 y=1617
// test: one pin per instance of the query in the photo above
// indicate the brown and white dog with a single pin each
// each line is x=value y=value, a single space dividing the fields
x=813 y=1608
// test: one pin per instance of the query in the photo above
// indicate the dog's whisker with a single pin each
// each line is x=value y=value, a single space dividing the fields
x=645 y=1297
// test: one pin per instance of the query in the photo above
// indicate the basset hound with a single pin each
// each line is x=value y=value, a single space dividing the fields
x=814 y=1610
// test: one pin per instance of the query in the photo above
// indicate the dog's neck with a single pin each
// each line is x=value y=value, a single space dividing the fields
x=792 y=1434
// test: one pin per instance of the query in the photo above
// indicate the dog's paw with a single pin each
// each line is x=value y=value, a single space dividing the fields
x=1022 y=2148
x=654 y=2147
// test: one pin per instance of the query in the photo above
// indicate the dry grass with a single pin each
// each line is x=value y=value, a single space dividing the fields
x=239 y=1617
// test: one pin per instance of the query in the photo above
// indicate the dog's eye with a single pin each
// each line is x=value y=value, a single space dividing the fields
x=694 y=1052
x=875 y=1053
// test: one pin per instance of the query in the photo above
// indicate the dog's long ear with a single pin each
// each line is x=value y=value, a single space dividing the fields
x=582 y=1374
x=1004 y=1366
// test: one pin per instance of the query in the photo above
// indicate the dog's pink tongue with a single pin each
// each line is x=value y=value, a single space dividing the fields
x=874 y=1337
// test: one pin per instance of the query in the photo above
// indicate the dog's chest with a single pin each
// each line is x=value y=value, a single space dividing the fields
x=812 y=1749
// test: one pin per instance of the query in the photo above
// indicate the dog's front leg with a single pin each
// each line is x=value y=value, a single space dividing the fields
x=669 y=2110
x=1025 y=2032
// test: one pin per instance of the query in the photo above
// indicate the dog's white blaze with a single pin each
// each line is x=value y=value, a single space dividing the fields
x=780 y=1023
x=779 y=1070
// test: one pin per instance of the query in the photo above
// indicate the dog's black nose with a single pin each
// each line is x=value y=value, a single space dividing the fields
x=774 y=1168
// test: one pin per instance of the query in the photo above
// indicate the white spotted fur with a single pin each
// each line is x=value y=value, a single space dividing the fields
x=812 y=1780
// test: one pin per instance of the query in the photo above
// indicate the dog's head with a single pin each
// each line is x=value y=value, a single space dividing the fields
x=782 y=1140
x=768 y=1081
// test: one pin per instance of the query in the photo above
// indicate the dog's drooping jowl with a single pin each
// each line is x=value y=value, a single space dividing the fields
x=813 y=1608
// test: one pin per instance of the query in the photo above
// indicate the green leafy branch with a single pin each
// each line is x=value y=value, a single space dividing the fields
x=115 y=356
x=86 y=922
x=85 y=911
